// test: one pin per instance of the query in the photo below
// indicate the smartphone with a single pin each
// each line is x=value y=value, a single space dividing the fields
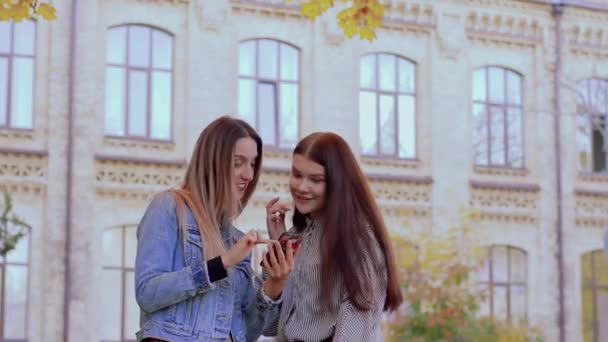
x=295 y=238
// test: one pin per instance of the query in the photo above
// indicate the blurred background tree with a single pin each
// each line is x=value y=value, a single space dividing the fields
x=18 y=10
x=12 y=227
x=437 y=272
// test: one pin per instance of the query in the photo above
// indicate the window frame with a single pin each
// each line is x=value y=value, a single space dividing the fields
x=594 y=288
x=276 y=83
x=504 y=108
x=10 y=56
x=3 y=295
x=128 y=68
x=587 y=93
x=488 y=280
x=378 y=92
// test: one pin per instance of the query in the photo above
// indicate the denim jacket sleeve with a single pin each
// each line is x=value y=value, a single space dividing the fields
x=157 y=284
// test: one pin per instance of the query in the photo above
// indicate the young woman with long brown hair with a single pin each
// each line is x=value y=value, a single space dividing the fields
x=193 y=276
x=345 y=275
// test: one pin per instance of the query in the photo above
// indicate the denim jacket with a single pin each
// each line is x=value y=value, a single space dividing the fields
x=177 y=300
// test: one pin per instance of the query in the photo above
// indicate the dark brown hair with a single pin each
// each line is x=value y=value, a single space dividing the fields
x=207 y=188
x=350 y=212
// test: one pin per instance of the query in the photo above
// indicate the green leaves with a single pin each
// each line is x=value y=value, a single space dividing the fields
x=12 y=227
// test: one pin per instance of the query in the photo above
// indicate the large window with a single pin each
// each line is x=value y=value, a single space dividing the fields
x=139 y=73
x=497 y=118
x=387 y=106
x=17 y=52
x=592 y=132
x=14 y=290
x=269 y=91
x=119 y=310
x=504 y=277
x=595 y=296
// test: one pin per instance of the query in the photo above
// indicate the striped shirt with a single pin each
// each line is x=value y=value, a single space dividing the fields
x=304 y=318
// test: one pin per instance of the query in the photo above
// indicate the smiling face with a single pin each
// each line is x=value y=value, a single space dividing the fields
x=307 y=185
x=245 y=154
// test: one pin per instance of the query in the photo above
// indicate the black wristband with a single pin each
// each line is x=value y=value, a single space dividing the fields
x=216 y=269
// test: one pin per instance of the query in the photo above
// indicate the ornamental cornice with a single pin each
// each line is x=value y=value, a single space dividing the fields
x=505 y=202
x=416 y=17
x=271 y=8
x=23 y=165
x=591 y=208
x=503 y=29
x=588 y=40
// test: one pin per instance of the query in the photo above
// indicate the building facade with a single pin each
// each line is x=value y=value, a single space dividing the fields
x=455 y=105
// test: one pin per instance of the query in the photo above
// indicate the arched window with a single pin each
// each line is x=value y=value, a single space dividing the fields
x=14 y=292
x=119 y=311
x=592 y=132
x=17 y=55
x=504 y=276
x=497 y=118
x=269 y=90
x=139 y=77
x=387 y=106
x=595 y=296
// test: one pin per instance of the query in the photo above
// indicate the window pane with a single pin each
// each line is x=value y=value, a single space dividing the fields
x=367 y=122
x=162 y=43
x=21 y=251
x=131 y=307
x=116 y=45
x=138 y=102
x=484 y=304
x=518 y=266
x=112 y=247
x=479 y=85
x=367 y=75
x=130 y=248
x=387 y=125
x=480 y=134
x=602 y=314
x=497 y=136
x=497 y=85
x=16 y=301
x=388 y=70
x=289 y=115
x=247 y=101
x=407 y=76
x=518 y=304
x=3 y=90
x=499 y=299
x=268 y=59
x=586 y=266
x=500 y=272
x=5 y=36
x=289 y=63
x=267 y=110
x=115 y=101
x=583 y=142
x=513 y=88
x=161 y=105
x=598 y=146
x=597 y=96
x=247 y=58
x=588 y=315
x=111 y=296
x=24 y=37
x=22 y=96
x=515 y=139
x=600 y=265
x=407 y=127
x=139 y=46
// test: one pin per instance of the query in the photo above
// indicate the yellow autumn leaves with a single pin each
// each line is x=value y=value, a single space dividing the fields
x=359 y=18
x=18 y=10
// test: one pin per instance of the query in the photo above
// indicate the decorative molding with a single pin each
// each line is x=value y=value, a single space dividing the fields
x=588 y=40
x=270 y=8
x=451 y=35
x=23 y=187
x=591 y=208
x=135 y=180
x=505 y=202
x=411 y=17
x=501 y=171
x=593 y=177
x=503 y=30
x=138 y=145
x=210 y=18
x=137 y=160
x=23 y=172
x=16 y=134
x=386 y=163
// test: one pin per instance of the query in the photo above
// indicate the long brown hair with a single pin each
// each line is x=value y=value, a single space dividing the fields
x=349 y=213
x=207 y=187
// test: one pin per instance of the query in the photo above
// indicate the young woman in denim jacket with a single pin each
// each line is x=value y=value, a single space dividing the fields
x=345 y=274
x=193 y=276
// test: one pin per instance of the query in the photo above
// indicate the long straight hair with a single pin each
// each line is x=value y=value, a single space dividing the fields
x=208 y=184
x=350 y=211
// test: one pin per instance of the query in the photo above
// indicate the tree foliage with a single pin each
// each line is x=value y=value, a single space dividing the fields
x=18 y=10
x=12 y=227
x=358 y=18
